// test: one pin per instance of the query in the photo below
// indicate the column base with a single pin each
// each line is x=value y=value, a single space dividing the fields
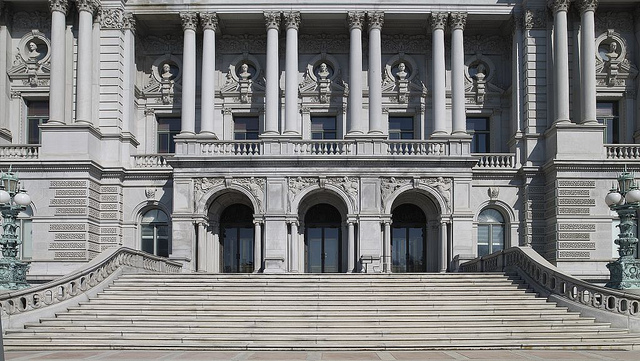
x=439 y=134
x=354 y=134
x=207 y=135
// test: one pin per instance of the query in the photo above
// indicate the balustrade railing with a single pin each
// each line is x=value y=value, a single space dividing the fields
x=416 y=148
x=150 y=161
x=77 y=283
x=19 y=151
x=549 y=281
x=496 y=160
x=231 y=148
x=623 y=151
x=326 y=147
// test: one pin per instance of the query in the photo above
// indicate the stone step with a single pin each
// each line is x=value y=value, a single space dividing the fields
x=293 y=300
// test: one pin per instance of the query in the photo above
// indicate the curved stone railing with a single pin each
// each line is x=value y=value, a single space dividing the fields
x=19 y=151
x=496 y=160
x=93 y=275
x=150 y=161
x=623 y=151
x=622 y=309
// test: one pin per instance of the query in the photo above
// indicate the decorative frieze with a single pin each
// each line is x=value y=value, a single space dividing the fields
x=403 y=43
x=576 y=183
x=484 y=44
x=619 y=21
x=590 y=227
x=535 y=19
x=576 y=202
x=239 y=44
x=67 y=227
x=573 y=254
x=111 y=18
x=163 y=44
x=66 y=245
x=573 y=193
x=573 y=236
x=577 y=245
x=567 y=210
x=70 y=255
x=29 y=20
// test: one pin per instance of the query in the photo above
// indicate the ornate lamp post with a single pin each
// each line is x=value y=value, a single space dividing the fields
x=625 y=199
x=13 y=272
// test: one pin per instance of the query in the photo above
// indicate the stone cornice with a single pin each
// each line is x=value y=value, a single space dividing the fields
x=59 y=5
x=355 y=19
x=586 y=5
x=272 y=20
x=558 y=5
x=292 y=19
x=375 y=19
x=438 y=21
x=209 y=21
x=189 y=21
x=458 y=21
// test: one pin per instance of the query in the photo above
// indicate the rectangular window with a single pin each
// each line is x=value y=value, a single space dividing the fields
x=167 y=129
x=245 y=128
x=37 y=114
x=323 y=128
x=478 y=128
x=400 y=127
x=607 y=114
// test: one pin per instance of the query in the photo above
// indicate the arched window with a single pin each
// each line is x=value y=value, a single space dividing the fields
x=490 y=232
x=24 y=232
x=155 y=233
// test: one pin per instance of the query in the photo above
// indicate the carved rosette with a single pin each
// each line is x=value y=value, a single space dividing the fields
x=292 y=19
x=439 y=21
x=272 y=20
x=59 y=5
x=209 y=21
x=111 y=18
x=189 y=21
x=129 y=21
x=535 y=19
x=87 y=5
x=458 y=21
x=355 y=19
x=376 y=19
x=587 y=5
x=558 y=5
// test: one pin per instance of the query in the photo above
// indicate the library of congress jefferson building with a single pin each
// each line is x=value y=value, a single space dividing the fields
x=319 y=136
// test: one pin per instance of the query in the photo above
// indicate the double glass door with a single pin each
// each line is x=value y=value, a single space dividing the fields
x=238 y=250
x=407 y=249
x=323 y=249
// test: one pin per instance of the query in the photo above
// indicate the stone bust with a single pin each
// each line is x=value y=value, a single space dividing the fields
x=402 y=73
x=323 y=71
x=612 y=54
x=34 y=54
x=166 y=72
x=244 y=72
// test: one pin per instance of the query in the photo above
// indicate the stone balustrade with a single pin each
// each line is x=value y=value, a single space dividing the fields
x=18 y=151
x=621 y=309
x=623 y=151
x=496 y=160
x=150 y=161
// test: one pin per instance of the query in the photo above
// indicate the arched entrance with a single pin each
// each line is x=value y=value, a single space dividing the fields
x=323 y=239
x=408 y=239
x=237 y=239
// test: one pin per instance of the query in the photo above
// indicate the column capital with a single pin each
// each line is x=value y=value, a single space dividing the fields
x=458 y=21
x=438 y=21
x=292 y=19
x=376 y=19
x=355 y=19
x=59 y=5
x=129 y=21
x=558 y=5
x=586 y=5
x=87 y=5
x=209 y=21
x=189 y=20
x=272 y=19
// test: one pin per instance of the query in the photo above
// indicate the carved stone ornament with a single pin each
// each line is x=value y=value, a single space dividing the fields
x=209 y=21
x=292 y=19
x=442 y=186
x=535 y=19
x=111 y=18
x=150 y=193
x=486 y=44
x=256 y=188
x=439 y=21
x=355 y=19
x=31 y=63
x=189 y=21
x=403 y=43
x=458 y=21
x=28 y=20
x=59 y=5
x=620 y=21
x=272 y=20
x=164 y=44
x=240 y=44
x=558 y=5
x=129 y=21
x=587 y=5
x=202 y=185
x=376 y=19
x=390 y=185
x=493 y=193
x=348 y=185
x=296 y=185
x=87 y=5
x=324 y=43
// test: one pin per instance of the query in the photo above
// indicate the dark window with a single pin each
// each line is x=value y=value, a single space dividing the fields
x=155 y=233
x=490 y=232
x=400 y=127
x=37 y=114
x=245 y=128
x=478 y=128
x=607 y=114
x=167 y=129
x=323 y=128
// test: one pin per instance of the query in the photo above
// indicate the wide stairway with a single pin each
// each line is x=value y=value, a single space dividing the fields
x=314 y=312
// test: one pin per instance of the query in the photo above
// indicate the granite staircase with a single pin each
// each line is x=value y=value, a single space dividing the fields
x=317 y=312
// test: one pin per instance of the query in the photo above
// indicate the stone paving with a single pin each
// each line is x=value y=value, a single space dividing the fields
x=323 y=355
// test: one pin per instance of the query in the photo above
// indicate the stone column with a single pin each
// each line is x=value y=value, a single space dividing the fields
x=355 y=124
x=189 y=25
x=129 y=73
x=459 y=114
x=209 y=23
x=386 y=259
x=351 y=247
x=516 y=75
x=444 y=262
x=257 y=246
x=588 y=61
x=272 y=90
x=376 y=19
x=295 y=253
x=291 y=125
x=86 y=8
x=438 y=22
x=560 y=60
x=57 y=78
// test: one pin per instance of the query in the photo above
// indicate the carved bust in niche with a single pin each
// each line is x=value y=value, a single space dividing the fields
x=480 y=72
x=33 y=52
x=166 y=74
x=612 y=53
x=244 y=73
x=323 y=71
x=402 y=71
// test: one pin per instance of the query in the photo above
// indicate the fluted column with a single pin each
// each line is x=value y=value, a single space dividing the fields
x=560 y=60
x=57 y=78
x=351 y=246
x=295 y=252
x=272 y=90
x=189 y=25
x=444 y=262
x=438 y=23
x=355 y=124
x=257 y=246
x=291 y=123
x=86 y=8
x=376 y=127
x=386 y=249
x=588 y=61
x=459 y=114
x=209 y=23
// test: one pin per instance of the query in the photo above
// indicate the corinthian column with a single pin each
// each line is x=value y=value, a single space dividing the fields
x=209 y=22
x=128 y=73
x=59 y=10
x=587 y=61
x=291 y=125
x=355 y=125
x=376 y=19
x=459 y=114
x=272 y=90
x=560 y=60
x=438 y=22
x=189 y=24
x=86 y=8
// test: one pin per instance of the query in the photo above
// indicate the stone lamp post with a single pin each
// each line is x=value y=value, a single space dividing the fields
x=13 y=272
x=625 y=200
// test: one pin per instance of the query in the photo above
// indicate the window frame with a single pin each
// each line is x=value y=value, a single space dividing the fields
x=171 y=145
x=612 y=123
x=400 y=131
x=490 y=225
x=255 y=134
x=324 y=132
x=41 y=119
x=475 y=133
x=155 y=237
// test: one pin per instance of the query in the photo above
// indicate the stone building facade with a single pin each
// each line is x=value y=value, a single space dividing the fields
x=314 y=136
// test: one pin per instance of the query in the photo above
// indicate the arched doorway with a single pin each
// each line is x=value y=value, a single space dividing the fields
x=237 y=239
x=323 y=239
x=408 y=239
